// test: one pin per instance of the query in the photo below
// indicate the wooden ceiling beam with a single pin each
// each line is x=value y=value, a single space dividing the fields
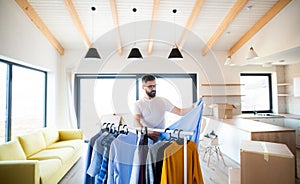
x=76 y=20
x=39 y=23
x=113 y=6
x=153 y=19
x=271 y=13
x=195 y=12
x=235 y=10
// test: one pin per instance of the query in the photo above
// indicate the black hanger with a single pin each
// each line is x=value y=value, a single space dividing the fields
x=179 y=139
x=171 y=137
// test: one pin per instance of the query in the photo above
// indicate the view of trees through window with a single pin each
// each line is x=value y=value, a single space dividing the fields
x=257 y=91
x=25 y=101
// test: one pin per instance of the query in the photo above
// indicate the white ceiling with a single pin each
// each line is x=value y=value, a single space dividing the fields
x=56 y=16
x=96 y=24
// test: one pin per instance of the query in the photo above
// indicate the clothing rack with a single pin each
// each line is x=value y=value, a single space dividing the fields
x=184 y=133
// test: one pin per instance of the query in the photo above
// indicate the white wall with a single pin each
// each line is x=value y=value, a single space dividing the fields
x=293 y=103
x=21 y=42
x=280 y=34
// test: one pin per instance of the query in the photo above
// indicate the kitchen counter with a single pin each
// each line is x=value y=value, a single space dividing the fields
x=271 y=115
x=292 y=116
x=251 y=126
x=232 y=131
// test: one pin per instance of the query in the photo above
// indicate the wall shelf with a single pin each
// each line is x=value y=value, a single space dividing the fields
x=225 y=85
x=222 y=95
x=283 y=84
x=282 y=89
x=222 y=84
x=283 y=95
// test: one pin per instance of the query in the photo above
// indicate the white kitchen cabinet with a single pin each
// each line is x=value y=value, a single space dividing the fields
x=272 y=121
x=294 y=124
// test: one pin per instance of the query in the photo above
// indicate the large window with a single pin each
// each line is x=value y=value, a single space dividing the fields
x=3 y=74
x=258 y=93
x=102 y=94
x=22 y=100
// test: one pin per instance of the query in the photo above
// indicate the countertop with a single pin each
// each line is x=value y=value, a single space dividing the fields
x=252 y=116
x=293 y=116
x=251 y=126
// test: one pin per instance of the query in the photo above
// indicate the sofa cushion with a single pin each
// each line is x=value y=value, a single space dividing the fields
x=48 y=167
x=75 y=144
x=51 y=135
x=64 y=154
x=32 y=143
x=70 y=134
x=12 y=151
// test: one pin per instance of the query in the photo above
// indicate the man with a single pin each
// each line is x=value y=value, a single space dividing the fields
x=150 y=110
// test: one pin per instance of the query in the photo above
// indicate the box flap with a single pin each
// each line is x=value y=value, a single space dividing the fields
x=270 y=148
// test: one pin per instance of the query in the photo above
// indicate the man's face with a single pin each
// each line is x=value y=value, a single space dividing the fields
x=150 y=88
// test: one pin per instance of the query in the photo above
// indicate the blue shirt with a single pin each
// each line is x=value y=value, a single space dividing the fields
x=121 y=158
x=191 y=122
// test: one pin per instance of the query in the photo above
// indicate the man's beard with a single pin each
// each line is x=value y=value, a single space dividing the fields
x=151 y=93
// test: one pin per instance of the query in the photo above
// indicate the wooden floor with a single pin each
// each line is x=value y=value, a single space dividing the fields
x=216 y=173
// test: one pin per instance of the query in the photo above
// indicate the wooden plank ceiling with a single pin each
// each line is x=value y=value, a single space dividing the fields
x=68 y=24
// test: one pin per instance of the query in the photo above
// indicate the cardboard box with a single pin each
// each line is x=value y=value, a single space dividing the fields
x=222 y=110
x=266 y=163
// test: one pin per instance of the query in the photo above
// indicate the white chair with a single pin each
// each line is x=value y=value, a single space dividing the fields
x=211 y=148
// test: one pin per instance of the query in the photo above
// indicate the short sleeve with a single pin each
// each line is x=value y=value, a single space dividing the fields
x=136 y=109
x=168 y=105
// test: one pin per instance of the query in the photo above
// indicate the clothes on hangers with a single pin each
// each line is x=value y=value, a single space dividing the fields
x=173 y=164
x=131 y=159
x=121 y=158
x=136 y=161
x=87 y=178
x=191 y=122
x=100 y=156
x=155 y=161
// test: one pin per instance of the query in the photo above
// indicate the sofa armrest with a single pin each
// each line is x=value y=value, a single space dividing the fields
x=19 y=171
x=70 y=134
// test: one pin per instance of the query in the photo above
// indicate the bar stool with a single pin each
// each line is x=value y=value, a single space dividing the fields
x=213 y=147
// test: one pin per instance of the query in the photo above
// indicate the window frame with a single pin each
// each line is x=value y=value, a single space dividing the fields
x=136 y=76
x=269 y=76
x=8 y=118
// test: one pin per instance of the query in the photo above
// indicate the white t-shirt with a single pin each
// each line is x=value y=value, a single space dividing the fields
x=153 y=111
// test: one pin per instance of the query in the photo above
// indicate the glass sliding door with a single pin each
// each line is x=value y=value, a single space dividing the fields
x=3 y=89
x=28 y=100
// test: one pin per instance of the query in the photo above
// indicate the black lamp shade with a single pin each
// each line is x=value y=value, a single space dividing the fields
x=175 y=55
x=92 y=53
x=135 y=54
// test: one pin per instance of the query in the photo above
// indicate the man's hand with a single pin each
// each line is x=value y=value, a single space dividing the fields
x=154 y=135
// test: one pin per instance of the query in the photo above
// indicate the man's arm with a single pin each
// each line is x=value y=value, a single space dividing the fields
x=182 y=112
x=153 y=135
x=138 y=120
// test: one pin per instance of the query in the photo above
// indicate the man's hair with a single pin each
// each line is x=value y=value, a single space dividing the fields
x=147 y=77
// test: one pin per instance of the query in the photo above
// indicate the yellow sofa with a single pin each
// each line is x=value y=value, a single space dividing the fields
x=43 y=156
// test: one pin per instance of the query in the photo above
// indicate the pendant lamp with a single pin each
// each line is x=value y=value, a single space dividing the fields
x=92 y=53
x=228 y=61
x=251 y=54
x=135 y=53
x=175 y=54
